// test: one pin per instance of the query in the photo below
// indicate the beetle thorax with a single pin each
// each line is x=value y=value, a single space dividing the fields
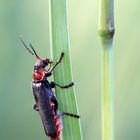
x=38 y=74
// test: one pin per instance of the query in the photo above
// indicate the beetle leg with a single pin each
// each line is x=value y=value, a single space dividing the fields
x=59 y=60
x=35 y=107
x=53 y=84
x=48 y=74
x=69 y=114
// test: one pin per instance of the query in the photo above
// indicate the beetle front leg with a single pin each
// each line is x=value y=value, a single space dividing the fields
x=35 y=107
x=48 y=72
x=59 y=60
x=53 y=85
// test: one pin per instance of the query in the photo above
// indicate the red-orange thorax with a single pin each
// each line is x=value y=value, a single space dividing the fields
x=38 y=75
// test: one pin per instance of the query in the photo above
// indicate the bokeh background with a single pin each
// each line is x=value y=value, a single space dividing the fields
x=18 y=121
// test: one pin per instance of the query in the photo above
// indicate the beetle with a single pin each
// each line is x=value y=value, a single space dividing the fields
x=45 y=99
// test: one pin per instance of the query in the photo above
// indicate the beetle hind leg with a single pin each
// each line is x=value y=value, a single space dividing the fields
x=69 y=114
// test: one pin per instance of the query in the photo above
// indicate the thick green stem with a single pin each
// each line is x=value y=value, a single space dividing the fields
x=62 y=73
x=106 y=19
x=107 y=95
x=106 y=31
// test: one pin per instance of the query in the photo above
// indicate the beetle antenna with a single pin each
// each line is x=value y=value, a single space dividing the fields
x=26 y=46
x=34 y=51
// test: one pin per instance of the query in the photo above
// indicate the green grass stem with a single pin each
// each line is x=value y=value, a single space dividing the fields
x=62 y=73
x=106 y=32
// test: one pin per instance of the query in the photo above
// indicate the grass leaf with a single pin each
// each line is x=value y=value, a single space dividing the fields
x=62 y=73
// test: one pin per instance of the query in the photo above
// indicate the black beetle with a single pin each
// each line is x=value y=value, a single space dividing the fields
x=45 y=100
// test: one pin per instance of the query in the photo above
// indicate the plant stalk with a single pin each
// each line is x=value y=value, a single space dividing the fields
x=106 y=32
x=62 y=73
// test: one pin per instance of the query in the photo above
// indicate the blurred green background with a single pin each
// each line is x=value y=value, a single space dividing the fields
x=18 y=121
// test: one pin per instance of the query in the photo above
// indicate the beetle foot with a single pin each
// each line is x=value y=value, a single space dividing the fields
x=35 y=107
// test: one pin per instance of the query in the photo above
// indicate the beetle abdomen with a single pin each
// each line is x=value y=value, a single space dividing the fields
x=58 y=125
x=45 y=110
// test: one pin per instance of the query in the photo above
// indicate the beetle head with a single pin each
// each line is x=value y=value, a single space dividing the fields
x=42 y=63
